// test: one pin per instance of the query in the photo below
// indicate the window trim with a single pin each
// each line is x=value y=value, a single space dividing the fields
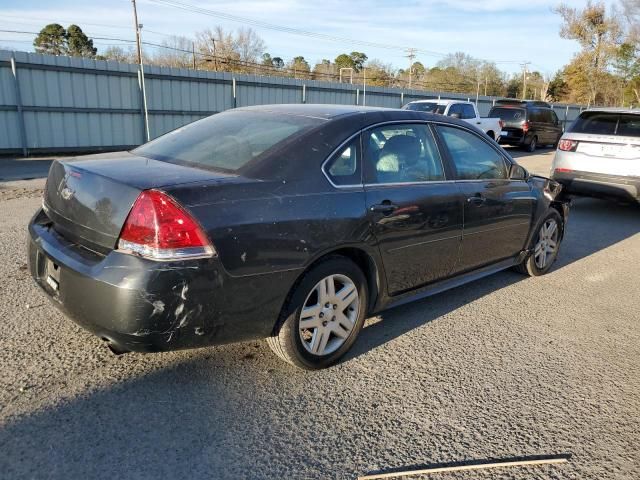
x=508 y=161
x=445 y=158
x=332 y=155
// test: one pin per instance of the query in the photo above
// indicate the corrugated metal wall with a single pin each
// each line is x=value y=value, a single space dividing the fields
x=56 y=104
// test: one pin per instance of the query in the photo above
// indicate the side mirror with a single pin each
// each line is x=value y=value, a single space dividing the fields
x=516 y=172
x=456 y=115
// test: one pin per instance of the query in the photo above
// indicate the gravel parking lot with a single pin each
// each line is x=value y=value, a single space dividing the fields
x=504 y=367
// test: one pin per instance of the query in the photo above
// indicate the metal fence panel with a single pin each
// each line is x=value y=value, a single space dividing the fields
x=74 y=104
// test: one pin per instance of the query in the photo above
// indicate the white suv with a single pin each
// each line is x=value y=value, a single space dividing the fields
x=599 y=155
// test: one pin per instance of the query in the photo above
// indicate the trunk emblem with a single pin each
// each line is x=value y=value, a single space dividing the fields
x=66 y=193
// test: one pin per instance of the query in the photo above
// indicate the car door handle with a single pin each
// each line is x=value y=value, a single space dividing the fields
x=384 y=208
x=476 y=199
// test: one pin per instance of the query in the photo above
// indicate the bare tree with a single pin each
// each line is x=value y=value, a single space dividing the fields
x=177 y=53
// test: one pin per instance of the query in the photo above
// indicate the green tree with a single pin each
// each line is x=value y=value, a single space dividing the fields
x=267 y=60
x=78 y=44
x=353 y=60
x=558 y=90
x=299 y=67
x=344 y=61
x=51 y=40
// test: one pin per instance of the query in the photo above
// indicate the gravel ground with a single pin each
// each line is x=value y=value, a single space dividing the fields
x=506 y=366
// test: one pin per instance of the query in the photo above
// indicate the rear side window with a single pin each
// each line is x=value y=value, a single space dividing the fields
x=509 y=114
x=344 y=167
x=472 y=157
x=607 y=123
x=227 y=141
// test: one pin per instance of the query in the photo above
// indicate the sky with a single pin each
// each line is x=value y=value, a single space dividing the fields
x=502 y=31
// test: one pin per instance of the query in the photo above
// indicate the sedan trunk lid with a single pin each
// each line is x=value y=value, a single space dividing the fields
x=88 y=200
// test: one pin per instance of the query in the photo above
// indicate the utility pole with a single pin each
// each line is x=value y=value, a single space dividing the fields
x=524 y=79
x=137 y=27
x=411 y=54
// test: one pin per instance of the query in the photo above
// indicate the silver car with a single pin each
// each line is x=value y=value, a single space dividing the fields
x=599 y=155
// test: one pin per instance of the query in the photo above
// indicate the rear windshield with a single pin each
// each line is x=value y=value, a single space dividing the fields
x=508 y=114
x=228 y=141
x=431 y=107
x=604 y=123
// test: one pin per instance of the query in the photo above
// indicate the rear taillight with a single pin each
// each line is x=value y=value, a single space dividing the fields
x=158 y=228
x=525 y=126
x=567 y=145
x=501 y=124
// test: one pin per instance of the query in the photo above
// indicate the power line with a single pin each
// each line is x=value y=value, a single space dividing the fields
x=269 y=69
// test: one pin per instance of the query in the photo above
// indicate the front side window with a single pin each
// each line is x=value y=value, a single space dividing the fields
x=472 y=157
x=344 y=167
x=401 y=153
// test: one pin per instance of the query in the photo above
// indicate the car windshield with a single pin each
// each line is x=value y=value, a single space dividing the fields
x=228 y=141
x=508 y=114
x=607 y=123
x=431 y=107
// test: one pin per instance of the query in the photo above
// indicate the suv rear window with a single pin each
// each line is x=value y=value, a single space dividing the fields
x=607 y=123
x=508 y=114
x=228 y=141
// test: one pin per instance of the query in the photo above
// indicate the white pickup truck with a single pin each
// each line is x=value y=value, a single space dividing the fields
x=466 y=111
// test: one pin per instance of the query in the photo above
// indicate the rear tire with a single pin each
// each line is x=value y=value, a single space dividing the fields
x=544 y=247
x=330 y=300
x=531 y=146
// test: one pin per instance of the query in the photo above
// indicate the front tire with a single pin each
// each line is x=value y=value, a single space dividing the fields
x=322 y=316
x=545 y=246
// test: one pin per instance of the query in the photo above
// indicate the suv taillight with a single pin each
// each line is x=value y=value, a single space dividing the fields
x=158 y=228
x=567 y=145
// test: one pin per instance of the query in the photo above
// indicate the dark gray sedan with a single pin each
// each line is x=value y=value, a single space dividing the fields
x=289 y=222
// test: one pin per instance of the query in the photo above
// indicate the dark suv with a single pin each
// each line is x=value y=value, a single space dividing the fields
x=527 y=123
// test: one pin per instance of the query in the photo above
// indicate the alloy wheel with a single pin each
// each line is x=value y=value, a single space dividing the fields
x=329 y=314
x=547 y=245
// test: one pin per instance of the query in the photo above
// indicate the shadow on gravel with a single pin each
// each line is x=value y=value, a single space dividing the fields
x=593 y=225
x=178 y=422
x=203 y=415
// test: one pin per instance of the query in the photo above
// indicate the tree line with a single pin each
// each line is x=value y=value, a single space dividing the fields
x=605 y=71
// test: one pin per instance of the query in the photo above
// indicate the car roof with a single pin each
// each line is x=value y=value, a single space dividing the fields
x=441 y=101
x=633 y=111
x=370 y=115
x=320 y=111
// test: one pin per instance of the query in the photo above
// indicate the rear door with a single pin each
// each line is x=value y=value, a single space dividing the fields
x=512 y=118
x=497 y=211
x=415 y=211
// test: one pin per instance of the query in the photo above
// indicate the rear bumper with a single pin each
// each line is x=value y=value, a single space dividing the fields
x=599 y=184
x=141 y=305
x=513 y=137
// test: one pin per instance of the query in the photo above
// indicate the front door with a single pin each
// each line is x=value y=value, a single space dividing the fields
x=414 y=211
x=497 y=211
